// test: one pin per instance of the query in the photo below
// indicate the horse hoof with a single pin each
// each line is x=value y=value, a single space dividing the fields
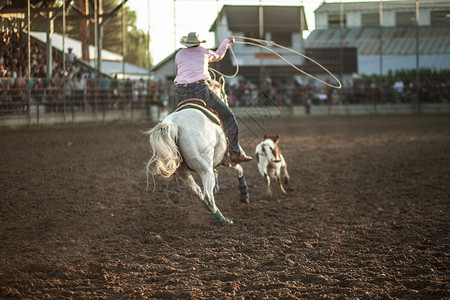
x=226 y=221
x=221 y=219
x=245 y=198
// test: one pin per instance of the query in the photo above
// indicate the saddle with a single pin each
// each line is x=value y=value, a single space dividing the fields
x=200 y=105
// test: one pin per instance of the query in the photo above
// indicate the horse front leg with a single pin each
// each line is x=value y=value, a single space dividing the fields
x=243 y=187
x=208 y=181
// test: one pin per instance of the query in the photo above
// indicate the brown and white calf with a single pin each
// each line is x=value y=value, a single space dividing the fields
x=271 y=161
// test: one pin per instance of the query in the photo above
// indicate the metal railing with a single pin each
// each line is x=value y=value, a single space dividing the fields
x=44 y=102
x=40 y=100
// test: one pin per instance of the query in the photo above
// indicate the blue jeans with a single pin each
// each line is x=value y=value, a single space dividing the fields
x=204 y=92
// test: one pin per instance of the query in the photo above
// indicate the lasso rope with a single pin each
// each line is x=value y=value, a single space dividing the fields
x=265 y=45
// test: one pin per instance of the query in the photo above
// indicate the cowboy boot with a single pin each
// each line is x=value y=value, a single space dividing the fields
x=239 y=157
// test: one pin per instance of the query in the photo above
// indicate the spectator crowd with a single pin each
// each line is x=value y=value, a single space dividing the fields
x=246 y=93
x=74 y=86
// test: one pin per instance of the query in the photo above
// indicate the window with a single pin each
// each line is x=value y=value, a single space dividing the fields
x=253 y=35
x=440 y=17
x=406 y=18
x=370 y=20
x=334 y=21
x=282 y=38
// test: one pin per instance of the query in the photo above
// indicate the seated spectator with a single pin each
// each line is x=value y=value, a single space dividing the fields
x=79 y=85
x=75 y=68
x=17 y=91
x=104 y=84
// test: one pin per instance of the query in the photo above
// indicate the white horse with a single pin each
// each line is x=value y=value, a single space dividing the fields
x=190 y=139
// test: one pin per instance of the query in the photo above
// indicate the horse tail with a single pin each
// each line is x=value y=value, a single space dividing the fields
x=166 y=157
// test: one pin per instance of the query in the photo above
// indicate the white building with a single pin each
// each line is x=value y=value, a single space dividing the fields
x=353 y=27
x=281 y=24
x=388 y=35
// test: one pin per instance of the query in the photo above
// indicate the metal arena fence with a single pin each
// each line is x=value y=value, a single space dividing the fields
x=40 y=102
x=67 y=101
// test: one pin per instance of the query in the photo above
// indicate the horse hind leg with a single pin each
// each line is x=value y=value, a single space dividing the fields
x=187 y=178
x=208 y=181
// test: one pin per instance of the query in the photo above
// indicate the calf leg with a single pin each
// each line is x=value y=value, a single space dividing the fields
x=267 y=177
x=280 y=184
x=285 y=174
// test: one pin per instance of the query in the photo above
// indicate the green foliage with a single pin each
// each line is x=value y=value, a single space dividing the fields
x=409 y=75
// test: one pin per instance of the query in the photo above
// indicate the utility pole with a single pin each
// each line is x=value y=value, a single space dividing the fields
x=100 y=33
x=124 y=39
x=261 y=36
x=174 y=25
x=341 y=26
x=64 y=37
x=417 y=58
x=29 y=40
x=84 y=31
x=49 y=30
x=381 y=36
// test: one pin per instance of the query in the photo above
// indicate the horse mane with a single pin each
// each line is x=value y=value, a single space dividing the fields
x=219 y=89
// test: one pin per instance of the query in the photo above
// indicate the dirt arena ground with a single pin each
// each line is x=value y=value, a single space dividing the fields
x=367 y=215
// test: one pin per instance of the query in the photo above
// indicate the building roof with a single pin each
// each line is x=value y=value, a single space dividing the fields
x=111 y=62
x=244 y=18
x=395 y=40
x=116 y=67
x=57 y=43
x=167 y=59
x=20 y=4
x=334 y=7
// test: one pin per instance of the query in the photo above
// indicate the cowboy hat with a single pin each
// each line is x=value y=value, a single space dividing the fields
x=191 y=40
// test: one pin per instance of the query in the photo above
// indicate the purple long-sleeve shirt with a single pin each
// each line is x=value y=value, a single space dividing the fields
x=191 y=64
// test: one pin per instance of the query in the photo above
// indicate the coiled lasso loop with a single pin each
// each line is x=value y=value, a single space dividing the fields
x=265 y=45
